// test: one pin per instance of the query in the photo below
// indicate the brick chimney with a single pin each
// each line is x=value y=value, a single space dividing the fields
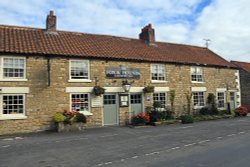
x=51 y=22
x=147 y=34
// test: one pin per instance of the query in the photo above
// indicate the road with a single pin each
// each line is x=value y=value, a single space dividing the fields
x=220 y=143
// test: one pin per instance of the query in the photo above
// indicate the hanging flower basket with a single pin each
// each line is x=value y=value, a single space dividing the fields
x=149 y=89
x=98 y=90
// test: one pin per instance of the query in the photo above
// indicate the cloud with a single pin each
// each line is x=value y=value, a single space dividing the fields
x=224 y=22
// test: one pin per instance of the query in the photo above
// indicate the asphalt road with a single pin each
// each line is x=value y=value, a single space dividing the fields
x=221 y=143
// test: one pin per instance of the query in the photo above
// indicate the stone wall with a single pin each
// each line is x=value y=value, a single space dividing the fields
x=43 y=101
x=245 y=88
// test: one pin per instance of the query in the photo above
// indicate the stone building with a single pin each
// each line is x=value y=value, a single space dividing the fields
x=244 y=82
x=43 y=71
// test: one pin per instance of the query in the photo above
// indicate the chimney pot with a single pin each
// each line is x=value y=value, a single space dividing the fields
x=51 y=13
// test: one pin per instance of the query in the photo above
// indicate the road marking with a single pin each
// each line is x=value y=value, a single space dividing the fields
x=107 y=163
x=122 y=160
x=242 y=132
x=8 y=139
x=152 y=153
x=175 y=148
x=19 y=138
x=204 y=141
x=187 y=145
x=231 y=135
x=134 y=157
x=219 y=137
x=99 y=164
x=185 y=127
x=6 y=146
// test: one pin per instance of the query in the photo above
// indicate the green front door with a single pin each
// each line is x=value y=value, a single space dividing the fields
x=136 y=103
x=110 y=113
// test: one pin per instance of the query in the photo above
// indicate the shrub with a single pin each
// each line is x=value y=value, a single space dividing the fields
x=80 y=118
x=185 y=119
x=241 y=111
x=58 y=117
x=140 y=118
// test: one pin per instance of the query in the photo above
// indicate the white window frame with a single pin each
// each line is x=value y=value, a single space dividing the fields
x=197 y=106
x=164 y=73
x=12 y=116
x=218 y=100
x=79 y=80
x=2 y=78
x=166 y=95
x=89 y=103
x=194 y=71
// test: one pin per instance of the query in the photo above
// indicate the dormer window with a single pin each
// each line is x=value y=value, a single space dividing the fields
x=196 y=74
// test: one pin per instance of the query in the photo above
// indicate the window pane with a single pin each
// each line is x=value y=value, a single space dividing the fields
x=158 y=72
x=79 y=70
x=13 y=67
x=13 y=104
x=79 y=102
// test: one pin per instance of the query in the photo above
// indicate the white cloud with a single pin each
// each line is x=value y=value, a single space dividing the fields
x=226 y=23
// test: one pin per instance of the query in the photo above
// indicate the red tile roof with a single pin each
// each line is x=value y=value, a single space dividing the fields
x=243 y=65
x=23 y=40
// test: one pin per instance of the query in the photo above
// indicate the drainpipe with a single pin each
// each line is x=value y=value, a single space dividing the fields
x=48 y=70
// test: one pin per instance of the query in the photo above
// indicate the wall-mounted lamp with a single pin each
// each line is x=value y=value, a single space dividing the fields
x=126 y=86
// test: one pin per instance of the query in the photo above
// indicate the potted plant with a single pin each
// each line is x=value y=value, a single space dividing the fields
x=98 y=90
x=148 y=89
x=69 y=121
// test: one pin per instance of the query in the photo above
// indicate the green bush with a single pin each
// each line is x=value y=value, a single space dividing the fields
x=80 y=118
x=185 y=119
x=58 y=117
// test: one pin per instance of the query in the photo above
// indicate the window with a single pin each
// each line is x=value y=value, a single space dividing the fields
x=198 y=99
x=158 y=72
x=79 y=69
x=12 y=105
x=80 y=102
x=160 y=98
x=196 y=74
x=13 y=68
x=221 y=99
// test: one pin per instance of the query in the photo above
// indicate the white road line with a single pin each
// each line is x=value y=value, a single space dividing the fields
x=242 y=132
x=99 y=164
x=185 y=127
x=175 y=148
x=134 y=157
x=19 y=138
x=152 y=153
x=219 y=137
x=231 y=135
x=122 y=160
x=107 y=163
x=6 y=146
x=204 y=141
x=191 y=144
x=109 y=135
x=8 y=139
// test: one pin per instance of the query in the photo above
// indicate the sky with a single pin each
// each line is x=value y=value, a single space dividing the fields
x=225 y=23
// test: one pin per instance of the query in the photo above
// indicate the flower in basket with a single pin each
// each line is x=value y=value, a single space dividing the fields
x=140 y=118
x=98 y=90
x=69 y=117
x=241 y=111
x=148 y=89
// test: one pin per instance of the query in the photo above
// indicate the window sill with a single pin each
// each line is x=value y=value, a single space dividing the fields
x=198 y=107
x=12 y=116
x=156 y=81
x=86 y=113
x=13 y=80
x=202 y=82
x=79 y=80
